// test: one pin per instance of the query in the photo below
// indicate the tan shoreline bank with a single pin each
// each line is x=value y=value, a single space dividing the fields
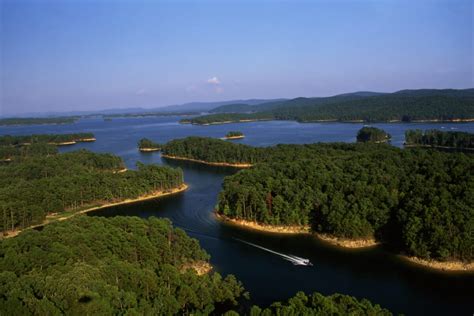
x=222 y=164
x=72 y=142
x=441 y=265
x=200 y=267
x=234 y=137
x=282 y=229
x=149 y=149
x=453 y=266
x=51 y=218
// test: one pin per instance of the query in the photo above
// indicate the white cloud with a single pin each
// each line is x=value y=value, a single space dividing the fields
x=214 y=80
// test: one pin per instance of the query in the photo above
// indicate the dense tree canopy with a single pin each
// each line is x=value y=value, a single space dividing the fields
x=407 y=106
x=128 y=265
x=22 y=152
x=35 y=186
x=100 y=266
x=146 y=143
x=436 y=138
x=9 y=140
x=37 y=120
x=317 y=304
x=421 y=201
x=373 y=135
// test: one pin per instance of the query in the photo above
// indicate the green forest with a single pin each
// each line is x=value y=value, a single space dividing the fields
x=9 y=140
x=436 y=138
x=39 y=121
x=405 y=106
x=146 y=143
x=420 y=202
x=100 y=266
x=8 y=153
x=132 y=266
x=38 y=185
x=373 y=135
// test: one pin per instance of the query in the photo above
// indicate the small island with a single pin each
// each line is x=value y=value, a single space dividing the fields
x=372 y=135
x=147 y=145
x=234 y=135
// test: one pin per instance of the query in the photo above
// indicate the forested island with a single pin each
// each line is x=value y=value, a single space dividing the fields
x=372 y=135
x=20 y=147
x=147 y=145
x=44 y=186
x=402 y=106
x=234 y=135
x=416 y=201
x=37 y=120
x=53 y=139
x=133 y=266
x=439 y=139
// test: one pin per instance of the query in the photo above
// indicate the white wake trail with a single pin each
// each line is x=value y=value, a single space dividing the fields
x=293 y=259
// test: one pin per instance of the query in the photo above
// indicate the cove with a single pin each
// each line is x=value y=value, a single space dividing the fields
x=372 y=273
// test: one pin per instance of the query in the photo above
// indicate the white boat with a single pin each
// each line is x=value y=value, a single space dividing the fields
x=297 y=261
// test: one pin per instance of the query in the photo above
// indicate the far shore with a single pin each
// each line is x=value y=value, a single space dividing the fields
x=51 y=218
x=222 y=164
x=334 y=121
x=453 y=266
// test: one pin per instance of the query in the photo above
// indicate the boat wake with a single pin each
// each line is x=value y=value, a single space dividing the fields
x=293 y=259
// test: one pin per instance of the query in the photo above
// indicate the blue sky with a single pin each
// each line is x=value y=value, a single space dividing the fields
x=87 y=55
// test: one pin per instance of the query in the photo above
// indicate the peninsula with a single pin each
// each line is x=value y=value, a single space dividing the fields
x=347 y=194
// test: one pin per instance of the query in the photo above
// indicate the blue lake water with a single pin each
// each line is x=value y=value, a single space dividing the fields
x=375 y=273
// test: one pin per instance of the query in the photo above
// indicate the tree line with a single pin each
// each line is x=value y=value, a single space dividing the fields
x=436 y=138
x=133 y=266
x=9 y=140
x=417 y=201
x=36 y=186
x=38 y=120
x=146 y=143
x=405 y=106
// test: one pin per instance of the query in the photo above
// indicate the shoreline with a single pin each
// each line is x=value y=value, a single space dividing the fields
x=335 y=121
x=199 y=267
x=149 y=149
x=448 y=266
x=234 y=137
x=221 y=164
x=72 y=142
x=51 y=218
x=452 y=266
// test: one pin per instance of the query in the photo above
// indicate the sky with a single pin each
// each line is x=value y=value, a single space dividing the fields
x=90 y=55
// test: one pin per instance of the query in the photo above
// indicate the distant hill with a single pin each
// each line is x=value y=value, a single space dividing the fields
x=207 y=106
x=404 y=105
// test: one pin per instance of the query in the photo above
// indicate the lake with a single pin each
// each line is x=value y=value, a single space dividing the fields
x=374 y=273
